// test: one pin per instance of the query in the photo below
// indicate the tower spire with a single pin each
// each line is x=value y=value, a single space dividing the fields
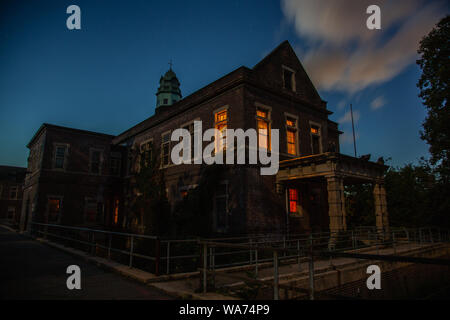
x=169 y=88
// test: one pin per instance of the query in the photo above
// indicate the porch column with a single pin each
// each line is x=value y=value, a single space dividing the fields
x=336 y=203
x=381 y=213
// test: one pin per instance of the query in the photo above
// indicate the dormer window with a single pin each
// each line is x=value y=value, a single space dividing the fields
x=288 y=79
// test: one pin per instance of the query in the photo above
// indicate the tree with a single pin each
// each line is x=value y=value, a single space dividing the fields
x=147 y=194
x=433 y=84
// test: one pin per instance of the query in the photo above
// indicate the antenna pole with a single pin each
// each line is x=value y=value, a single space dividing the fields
x=353 y=128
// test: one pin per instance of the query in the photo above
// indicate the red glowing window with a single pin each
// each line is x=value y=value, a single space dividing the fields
x=293 y=200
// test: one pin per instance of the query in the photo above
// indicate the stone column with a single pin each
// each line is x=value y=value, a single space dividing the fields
x=381 y=213
x=336 y=203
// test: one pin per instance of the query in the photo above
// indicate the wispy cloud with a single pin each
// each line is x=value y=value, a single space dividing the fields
x=344 y=55
x=347 y=117
x=347 y=137
x=378 y=103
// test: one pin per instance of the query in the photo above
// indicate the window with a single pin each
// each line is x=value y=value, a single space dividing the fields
x=221 y=122
x=11 y=213
x=165 y=101
x=288 y=79
x=95 y=161
x=221 y=206
x=116 y=212
x=263 y=124
x=13 y=192
x=165 y=149
x=60 y=154
x=190 y=128
x=90 y=210
x=293 y=200
x=146 y=151
x=54 y=209
x=315 y=139
x=291 y=136
x=115 y=163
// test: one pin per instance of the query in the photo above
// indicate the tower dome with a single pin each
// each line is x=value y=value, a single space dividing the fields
x=169 y=89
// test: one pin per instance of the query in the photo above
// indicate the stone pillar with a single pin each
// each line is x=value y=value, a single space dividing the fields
x=336 y=203
x=381 y=213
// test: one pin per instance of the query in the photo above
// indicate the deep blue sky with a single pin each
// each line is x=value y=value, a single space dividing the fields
x=104 y=76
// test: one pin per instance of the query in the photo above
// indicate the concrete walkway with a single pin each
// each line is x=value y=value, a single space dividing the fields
x=32 y=270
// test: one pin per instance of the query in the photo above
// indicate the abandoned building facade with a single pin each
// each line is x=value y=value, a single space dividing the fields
x=78 y=177
x=11 y=190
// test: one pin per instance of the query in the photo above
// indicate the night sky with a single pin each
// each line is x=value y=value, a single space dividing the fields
x=104 y=77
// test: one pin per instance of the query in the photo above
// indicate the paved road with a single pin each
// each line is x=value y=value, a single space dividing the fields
x=32 y=270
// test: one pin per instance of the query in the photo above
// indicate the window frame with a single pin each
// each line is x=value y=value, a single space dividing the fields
x=163 y=143
x=115 y=157
x=293 y=83
x=223 y=146
x=66 y=147
x=54 y=197
x=316 y=135
x=16 y=192
x=141 y=151
x=295 y=129
x=268 y=121
x=100 y=163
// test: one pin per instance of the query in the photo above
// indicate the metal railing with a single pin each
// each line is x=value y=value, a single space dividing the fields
x=167 y=256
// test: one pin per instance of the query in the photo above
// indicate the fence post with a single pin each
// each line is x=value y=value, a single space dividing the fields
x=168 y=257
x=205 y=265
x=94 y=244
x=256 y=262
x=157 y=255
x=298 y=256
x=109 y=247
x=353 y=240
x=311 y=270
x=393 y=242
x=275 y=275
x=250 y=251
x=131 y=251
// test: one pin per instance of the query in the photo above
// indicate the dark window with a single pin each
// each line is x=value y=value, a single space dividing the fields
x=90 y=210
x=13 y=193
x=11 y=213
x=59 y=157
x=115 y=166
x=221 y=206
x=165 y=149
x=288 y=84
x=95 y=161
x=165 y=101
x=316 y=145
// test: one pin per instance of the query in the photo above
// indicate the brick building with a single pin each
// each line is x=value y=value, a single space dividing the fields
x=306 y=195
x=73 y=177
x=11 y=190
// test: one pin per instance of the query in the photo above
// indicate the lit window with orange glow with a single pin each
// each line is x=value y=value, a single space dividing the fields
x=116 y=212
x=221 y=122
x=293 y=200
x=263 y=124
x=316 y=146
x=54 y=209
x=291 y=135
